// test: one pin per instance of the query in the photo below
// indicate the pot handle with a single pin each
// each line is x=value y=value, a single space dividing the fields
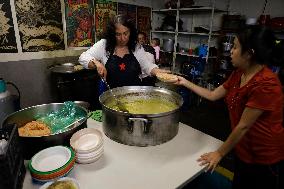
x=145 y=122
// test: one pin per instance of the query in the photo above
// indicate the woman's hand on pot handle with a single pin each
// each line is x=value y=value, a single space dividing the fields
x=95 y=64
x=210 y=160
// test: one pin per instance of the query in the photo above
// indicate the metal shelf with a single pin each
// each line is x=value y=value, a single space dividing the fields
x=164 y=10
x=165 y=51
x=179 y=13
x=199 y=9
x=199 y=34
x=170 y=32
x=192 y=55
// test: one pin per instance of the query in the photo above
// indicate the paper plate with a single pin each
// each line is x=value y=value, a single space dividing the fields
x=42 y=181
x=51 y=159
x=54 y=175
x=86 y=140
x=166 y=77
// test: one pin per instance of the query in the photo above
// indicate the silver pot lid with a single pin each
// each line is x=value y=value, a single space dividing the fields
x=66 y=68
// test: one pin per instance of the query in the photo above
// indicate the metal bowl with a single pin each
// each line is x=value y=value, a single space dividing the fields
x=32 y=145
x=83 y=104
x=63 y=68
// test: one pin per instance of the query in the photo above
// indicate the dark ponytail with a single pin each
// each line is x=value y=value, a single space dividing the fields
x=262 y=44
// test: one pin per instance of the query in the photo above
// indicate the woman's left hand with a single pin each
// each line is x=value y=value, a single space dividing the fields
x=210 y=159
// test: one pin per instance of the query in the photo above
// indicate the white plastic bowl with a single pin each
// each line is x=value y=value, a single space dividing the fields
x=86 y=140
x=88 y=160
x=90 y=155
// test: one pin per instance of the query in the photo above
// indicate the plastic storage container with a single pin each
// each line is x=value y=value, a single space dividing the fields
x=12 y=166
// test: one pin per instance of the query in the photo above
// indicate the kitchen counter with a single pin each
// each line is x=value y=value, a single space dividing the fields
x=169 y=165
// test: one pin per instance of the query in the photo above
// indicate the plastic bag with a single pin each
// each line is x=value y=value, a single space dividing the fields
x=61 y=119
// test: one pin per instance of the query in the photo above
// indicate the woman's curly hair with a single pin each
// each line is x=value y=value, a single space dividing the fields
x=109 y=34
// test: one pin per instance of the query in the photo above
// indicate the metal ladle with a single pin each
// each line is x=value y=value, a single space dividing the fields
x=119 y=104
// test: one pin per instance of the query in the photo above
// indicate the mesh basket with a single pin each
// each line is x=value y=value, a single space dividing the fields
x=12 y=166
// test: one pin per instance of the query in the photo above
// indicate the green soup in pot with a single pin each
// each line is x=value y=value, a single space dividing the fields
x=146 y=106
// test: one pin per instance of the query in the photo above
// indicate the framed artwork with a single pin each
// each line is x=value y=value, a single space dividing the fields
x=8 y=42
x=79 y=23
x=128 y=10
x=103 y=12
x=144 y=20
x=40 y=25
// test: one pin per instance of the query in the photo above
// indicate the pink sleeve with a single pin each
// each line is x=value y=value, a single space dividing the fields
x=157 y=50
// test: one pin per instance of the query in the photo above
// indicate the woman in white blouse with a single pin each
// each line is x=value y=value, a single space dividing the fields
x=118 y=58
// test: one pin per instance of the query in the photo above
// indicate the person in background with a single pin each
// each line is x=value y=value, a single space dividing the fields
x=155 y=43
x=142 y=41
x=253 y=94
x=141 y=38
x=117 y=57
x=150 y=51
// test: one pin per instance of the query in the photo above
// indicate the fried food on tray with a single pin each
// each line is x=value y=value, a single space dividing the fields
x=166 y=77
x=34 y=128
x=78 y=67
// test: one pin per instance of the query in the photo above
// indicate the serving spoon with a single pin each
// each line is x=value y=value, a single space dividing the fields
x=119 y=104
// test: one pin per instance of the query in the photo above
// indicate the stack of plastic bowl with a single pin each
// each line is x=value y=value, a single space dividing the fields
x=51 y=163
x=88 y=145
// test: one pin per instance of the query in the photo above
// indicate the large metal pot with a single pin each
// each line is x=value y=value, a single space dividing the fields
x=140 y=129
x=168 y=45
x=31 y=145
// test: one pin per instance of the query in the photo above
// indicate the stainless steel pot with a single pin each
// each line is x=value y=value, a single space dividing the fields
x=31 y=145
x=83 y=104
x=168 y=45
x=65 y=68
x=141 y=129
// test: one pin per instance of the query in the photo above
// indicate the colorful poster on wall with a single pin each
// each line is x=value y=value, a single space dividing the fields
x=128 y=10
x=40 y=25
x=79 y=23
x=103 y=12
x=8 y=42
x=144 y=20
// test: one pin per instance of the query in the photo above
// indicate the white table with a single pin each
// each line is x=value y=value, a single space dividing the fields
x=169 y=165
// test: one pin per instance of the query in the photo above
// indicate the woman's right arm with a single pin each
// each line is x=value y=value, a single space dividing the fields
x=93 y=58
x=216 y=94
x=94 y=55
